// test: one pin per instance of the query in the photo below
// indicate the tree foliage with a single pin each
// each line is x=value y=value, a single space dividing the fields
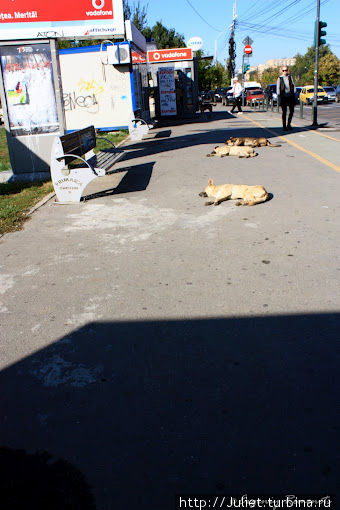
x=164 y=37
x=136 y=13
x=270 y=75
x=210 y=76
x=303 y=70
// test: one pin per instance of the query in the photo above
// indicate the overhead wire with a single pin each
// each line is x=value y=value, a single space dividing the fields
x=275 y=30
x=203 y=19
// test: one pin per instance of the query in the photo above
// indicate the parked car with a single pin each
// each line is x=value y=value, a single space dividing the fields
x=307 y=95
x=337 y=94
x=270 y=92
x=330 y=91
x=228 y=97
x=297 y=94
x=219 y=94
x=252 y=95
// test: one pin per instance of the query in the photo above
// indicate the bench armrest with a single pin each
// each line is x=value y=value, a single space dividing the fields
x=107 y=139
x=139 y=120
x=77 y=157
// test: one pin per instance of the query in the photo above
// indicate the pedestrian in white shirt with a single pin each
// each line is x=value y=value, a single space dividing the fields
x=237 y=95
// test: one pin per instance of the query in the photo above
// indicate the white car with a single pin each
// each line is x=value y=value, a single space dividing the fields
x=331 y=93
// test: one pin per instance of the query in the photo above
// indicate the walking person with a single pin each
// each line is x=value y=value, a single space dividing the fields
x=285 y=90
x=237 y=96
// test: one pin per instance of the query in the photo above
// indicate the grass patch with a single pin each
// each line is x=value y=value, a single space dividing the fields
x=4 y=156
x=16 y=199
x=114 y=136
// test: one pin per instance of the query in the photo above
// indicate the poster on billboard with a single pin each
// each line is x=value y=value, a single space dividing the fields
x=167 y=92
x=29 y=92
x=34 y=19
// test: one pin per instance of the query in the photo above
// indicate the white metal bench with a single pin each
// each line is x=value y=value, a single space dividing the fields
x=138 y=128
x=69 y=183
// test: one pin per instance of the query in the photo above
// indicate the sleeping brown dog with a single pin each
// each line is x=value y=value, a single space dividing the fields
x=250 y=141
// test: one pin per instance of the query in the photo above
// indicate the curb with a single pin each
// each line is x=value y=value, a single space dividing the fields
x=48 y=197
x=41 y=203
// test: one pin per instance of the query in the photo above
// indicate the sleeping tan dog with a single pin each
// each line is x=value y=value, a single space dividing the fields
x=241 y=152
x=250 y=141
x=249 y=195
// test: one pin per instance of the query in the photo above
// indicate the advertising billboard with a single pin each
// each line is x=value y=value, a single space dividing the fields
x=28 y=86
x=34 y=19
x=167 y=92
x=169 y=55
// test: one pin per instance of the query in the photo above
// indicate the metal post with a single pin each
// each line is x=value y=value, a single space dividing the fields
x=301 y=109
x=316 y=66
x=58 y=85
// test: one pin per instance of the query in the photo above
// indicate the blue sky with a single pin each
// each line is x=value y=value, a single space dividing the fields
x=279 y=28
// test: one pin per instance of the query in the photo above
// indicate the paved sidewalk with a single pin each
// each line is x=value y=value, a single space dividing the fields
x=164 y=347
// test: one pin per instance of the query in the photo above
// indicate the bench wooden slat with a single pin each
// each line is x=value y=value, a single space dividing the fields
x=105 y=162
x=79 y=142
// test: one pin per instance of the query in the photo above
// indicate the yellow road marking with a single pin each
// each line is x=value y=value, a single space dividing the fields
x=321 y=134
x=317 y=133
x=316 y=156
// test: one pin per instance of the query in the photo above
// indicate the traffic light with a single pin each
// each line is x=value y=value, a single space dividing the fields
x=246 y=67
x=322 y=24
x=322 y=33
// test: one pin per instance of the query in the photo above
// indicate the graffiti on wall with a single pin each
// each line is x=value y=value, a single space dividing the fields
x=87 y=96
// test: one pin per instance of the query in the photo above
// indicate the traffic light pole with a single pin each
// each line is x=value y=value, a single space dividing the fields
x=316 y=65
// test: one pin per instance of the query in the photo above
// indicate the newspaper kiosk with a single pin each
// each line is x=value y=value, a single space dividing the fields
x=174 y=76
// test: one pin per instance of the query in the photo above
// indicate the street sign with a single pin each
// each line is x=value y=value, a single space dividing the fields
x=247 y=41
x=248 y=49
x=195 y=43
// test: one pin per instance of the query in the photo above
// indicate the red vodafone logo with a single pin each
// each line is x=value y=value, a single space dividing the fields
x=169 y=55
x=248 y=49
x=98 y=4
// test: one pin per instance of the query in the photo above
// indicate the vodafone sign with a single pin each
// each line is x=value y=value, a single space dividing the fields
x=23 y=19
x=169 y=55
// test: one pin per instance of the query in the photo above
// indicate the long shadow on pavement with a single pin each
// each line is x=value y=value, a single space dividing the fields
x=149 y=409
x=137 y=178
x=151 y=146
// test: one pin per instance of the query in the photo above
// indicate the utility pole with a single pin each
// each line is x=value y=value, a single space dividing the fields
x=316 y=65
x=232 y=46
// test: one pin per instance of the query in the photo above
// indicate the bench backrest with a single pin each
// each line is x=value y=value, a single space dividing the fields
x=79 y=142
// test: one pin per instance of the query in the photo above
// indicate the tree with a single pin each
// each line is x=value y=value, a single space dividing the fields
x=210 y=76
x=269 y=76
x=303 y=70
x=329 y=70
x=164 y=37
x=254 y=76
x=137 y=14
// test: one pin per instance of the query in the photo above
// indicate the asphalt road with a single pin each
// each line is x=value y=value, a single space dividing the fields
x=152 y=346
x=327 y=113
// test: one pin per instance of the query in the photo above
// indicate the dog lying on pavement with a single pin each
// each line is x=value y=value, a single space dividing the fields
x=250 y=142
x=249 y=195
x=226 y=150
